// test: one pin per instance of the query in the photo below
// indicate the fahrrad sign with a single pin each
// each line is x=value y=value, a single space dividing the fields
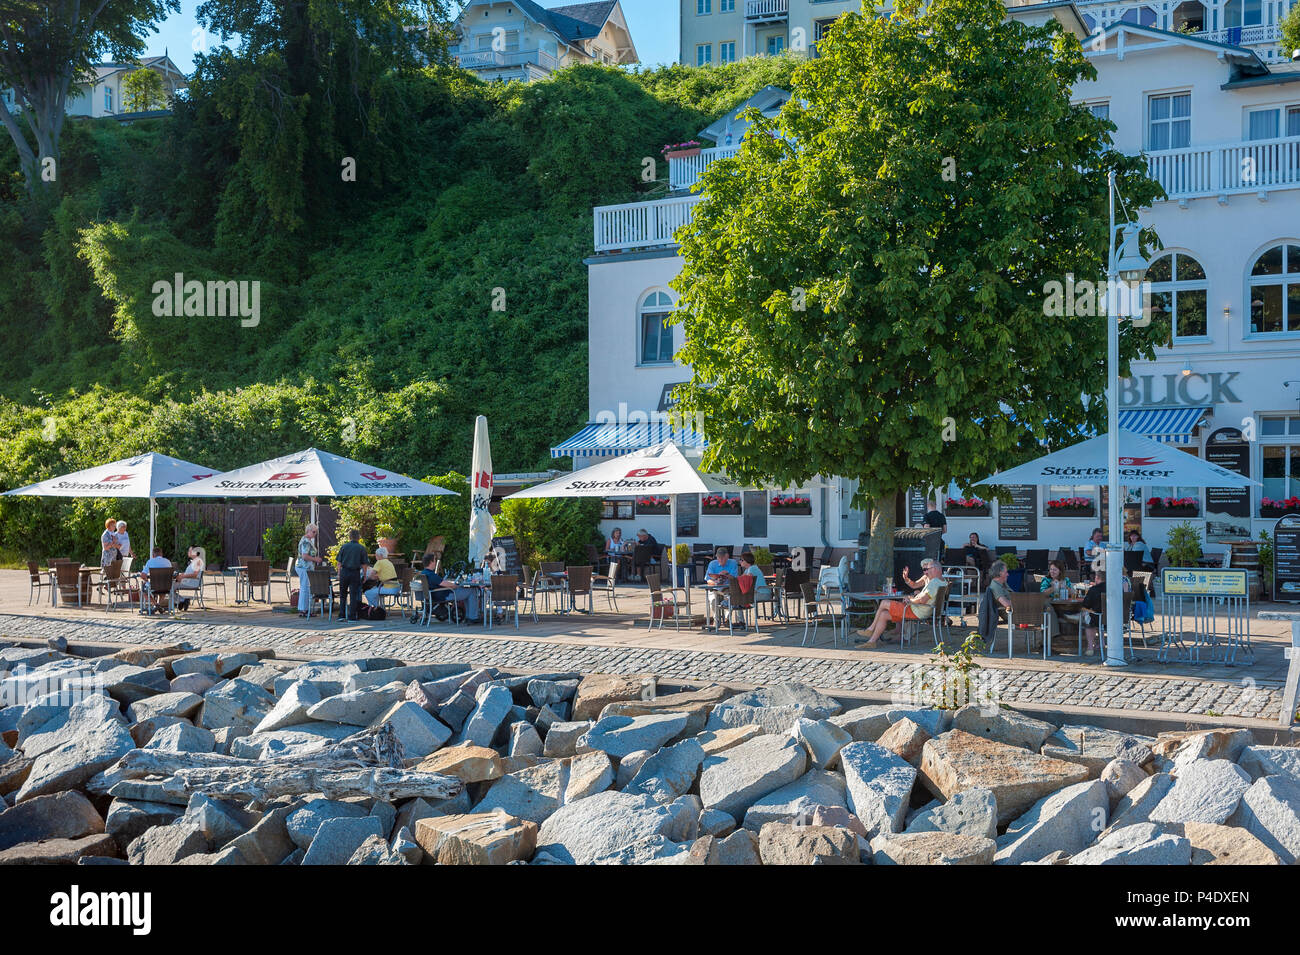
x=1193 y=582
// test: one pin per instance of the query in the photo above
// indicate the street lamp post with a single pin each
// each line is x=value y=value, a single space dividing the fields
x=1127 y=264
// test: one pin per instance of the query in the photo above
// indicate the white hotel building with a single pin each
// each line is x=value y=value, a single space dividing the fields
x=1220 y=126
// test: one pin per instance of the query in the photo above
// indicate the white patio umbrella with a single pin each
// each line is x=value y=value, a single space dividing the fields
x=481 y=525
x=311 y=473
x=661 y=469
x=1141 y=461
x=148 y=475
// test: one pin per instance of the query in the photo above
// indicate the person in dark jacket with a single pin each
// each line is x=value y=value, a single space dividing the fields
x=351 y=558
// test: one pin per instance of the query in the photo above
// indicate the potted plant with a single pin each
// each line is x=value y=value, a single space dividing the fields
x=652 y=505
x=683 y=554
x=1015 y=575
x=1266 y=562
x=1184 y=545
x=762 y=557
x=966 y=507
x=1071 y=507
x=386 y=537
x=681 y=150
x=791 y=504
x=1268 y=507
x=1173 y=507
x=720 y=504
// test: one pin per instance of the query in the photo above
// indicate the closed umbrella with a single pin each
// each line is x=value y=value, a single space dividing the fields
x=149 y=475
x=481 y=525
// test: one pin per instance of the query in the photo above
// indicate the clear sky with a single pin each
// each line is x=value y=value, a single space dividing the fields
x=654 y=26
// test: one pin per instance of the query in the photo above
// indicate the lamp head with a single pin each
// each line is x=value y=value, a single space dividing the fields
x=1131 y=265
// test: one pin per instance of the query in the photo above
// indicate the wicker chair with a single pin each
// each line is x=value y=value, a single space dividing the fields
x=1028 y=616
x=321 y=588
x=259 y=575
x=666 y=602
x=505 y=594
x=938 y=619
x=67 y=578
x=605 y=584
x=580 y=580
x=157 y=584
x=38 y=580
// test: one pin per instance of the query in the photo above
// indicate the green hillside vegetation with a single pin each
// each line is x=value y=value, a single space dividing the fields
x=377 y=336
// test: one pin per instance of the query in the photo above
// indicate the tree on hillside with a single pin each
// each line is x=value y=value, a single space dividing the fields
x=1290 y=25
x=864 y=285
x=142 y=90
x=44 y=49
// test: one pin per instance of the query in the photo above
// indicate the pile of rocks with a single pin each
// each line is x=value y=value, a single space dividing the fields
x=173 y=756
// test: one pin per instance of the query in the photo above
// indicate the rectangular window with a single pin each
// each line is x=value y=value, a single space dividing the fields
x=1263 y=124
x=1169 y=123
x=1100 y=110
x=1156 y=495
x=108 y=98
x=1070 y=500
x=727 y=52
x=656 y=339
x=726 y=6
x=1293 y=120
x=775 y=44
x=704 y=54
x=703 y=7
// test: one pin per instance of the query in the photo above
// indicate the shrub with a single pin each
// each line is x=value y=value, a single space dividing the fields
x=1184 y=545
x=551 y=528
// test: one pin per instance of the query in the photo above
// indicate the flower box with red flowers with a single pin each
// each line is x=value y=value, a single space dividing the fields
x=681 y=150
x=1268 y=507
x=718 y=504
x=652 y=505
x=1173 y=507
x=1071 y=507
x=966 y=507
x=791 y=504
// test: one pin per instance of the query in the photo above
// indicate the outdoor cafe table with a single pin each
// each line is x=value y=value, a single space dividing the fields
x=241 y=581
x=1292 y=688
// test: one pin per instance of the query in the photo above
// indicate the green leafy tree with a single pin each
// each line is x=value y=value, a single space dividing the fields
x=143 y=90
x=864 y=285
x=44 y=49
x=1290 y=25
x=551 y=528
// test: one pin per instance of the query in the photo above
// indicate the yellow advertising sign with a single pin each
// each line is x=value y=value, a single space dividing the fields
x=1190 y=582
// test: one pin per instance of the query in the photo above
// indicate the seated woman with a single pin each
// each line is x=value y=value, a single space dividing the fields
x=1058 y=587
x=383 y=578
x=189 y=579
x=751 y=579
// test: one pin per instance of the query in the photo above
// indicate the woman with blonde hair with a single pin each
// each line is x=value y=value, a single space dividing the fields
x=308 y=559
x=108 y=543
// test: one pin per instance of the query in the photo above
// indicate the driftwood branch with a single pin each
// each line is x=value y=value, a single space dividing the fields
x=261 y=782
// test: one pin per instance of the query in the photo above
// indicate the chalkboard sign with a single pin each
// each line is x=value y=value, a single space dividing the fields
x=687 y=510
x=1286 y=559
x=507 y=556
x=1018 y=518
x=916 y=509
x=1227 y=509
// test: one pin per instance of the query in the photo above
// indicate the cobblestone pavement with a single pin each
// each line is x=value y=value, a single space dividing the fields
x=1103 y=689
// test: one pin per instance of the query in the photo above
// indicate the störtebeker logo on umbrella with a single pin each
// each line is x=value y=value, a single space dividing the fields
x=646 y=472
x=374 y=475
x=115 y=478
x=1138 y=462
x=281 y=480
x=109 y=482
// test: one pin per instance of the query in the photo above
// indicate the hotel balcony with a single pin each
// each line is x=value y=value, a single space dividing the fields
x=767 y=11
x=1237 y=168
x=1243 y=36
x=1227 y=168
x=478 y=60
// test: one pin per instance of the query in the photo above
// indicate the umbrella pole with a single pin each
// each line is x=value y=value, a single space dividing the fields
x=313 y=510
x=672 y=535
x=153 y=521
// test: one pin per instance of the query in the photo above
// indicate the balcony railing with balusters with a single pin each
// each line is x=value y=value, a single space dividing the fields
x=684 y=173
x=498 y=59
x=1227 y=168
x=767 y=9
x=1243 y=36
x=641 y=225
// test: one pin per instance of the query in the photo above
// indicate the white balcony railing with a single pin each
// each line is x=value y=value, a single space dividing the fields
x=641 y=225
x=500 y=59
x=1243 y=36
x=766 y=9
x=1226 y=168
x=684 y=173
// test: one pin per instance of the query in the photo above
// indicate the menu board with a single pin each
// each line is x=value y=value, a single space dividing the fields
x=1286 y=559
x=688 y=515
x=1227 y=509
x=1018 y=518
x=507 y=555
x=916 y=509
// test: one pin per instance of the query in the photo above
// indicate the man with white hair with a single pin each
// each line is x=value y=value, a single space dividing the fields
x=917 y=607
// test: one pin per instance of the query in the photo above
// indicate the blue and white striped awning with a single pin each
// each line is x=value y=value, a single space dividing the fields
x=596 y=440
x=1168 y=425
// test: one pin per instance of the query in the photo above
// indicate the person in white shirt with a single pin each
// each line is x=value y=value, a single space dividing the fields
x=917 y=607
x=123 y=540
x=157 y=561
x=191 y=577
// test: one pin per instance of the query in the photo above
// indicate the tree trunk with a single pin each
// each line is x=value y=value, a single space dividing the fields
x=880 y=551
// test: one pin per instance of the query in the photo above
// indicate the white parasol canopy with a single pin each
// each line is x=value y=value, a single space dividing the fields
x=481 y=525
x=146 y=475
x=310 y=473
x=1141 y=461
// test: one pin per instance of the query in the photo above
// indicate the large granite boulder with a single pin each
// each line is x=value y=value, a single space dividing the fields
x=1068 y=820
x=932 y=848
x=736 y=778
x=797 y=801
x=1270 y=811
x=605 y=823
x=782 y=844
x=1004 y=725
x=1205 y=790
x=492 y=838
x=879 y=786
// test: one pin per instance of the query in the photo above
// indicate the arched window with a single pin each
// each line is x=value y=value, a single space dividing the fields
x=1274 y=287
x=656 y=333
x=1179 y=295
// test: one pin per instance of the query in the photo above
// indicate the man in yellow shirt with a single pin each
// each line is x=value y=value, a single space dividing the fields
x=383 y=578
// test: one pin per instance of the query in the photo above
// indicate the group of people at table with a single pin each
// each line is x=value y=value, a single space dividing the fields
x=115 y=544
x=360 y=579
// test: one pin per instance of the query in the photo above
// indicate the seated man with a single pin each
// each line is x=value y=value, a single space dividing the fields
x=720 y=570
x=997 y=598
x=157 y=561
x=917 y=607
x=191 y=577
x=443 y=591
x=383 y=579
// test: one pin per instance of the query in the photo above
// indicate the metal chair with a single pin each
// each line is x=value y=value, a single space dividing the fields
x=1028 y=615
x=290 y=575
x=38 y=580
x=157 y=584
x=605 y=585
x=792 y=583
x=1036 y=560
x=737 y=602
x=665 y=601
x=814 y=614
x=1127 y=616
x=504 y=593
x=580 y=586
x=320 y=587
x=258 y=575
x=179 y=593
